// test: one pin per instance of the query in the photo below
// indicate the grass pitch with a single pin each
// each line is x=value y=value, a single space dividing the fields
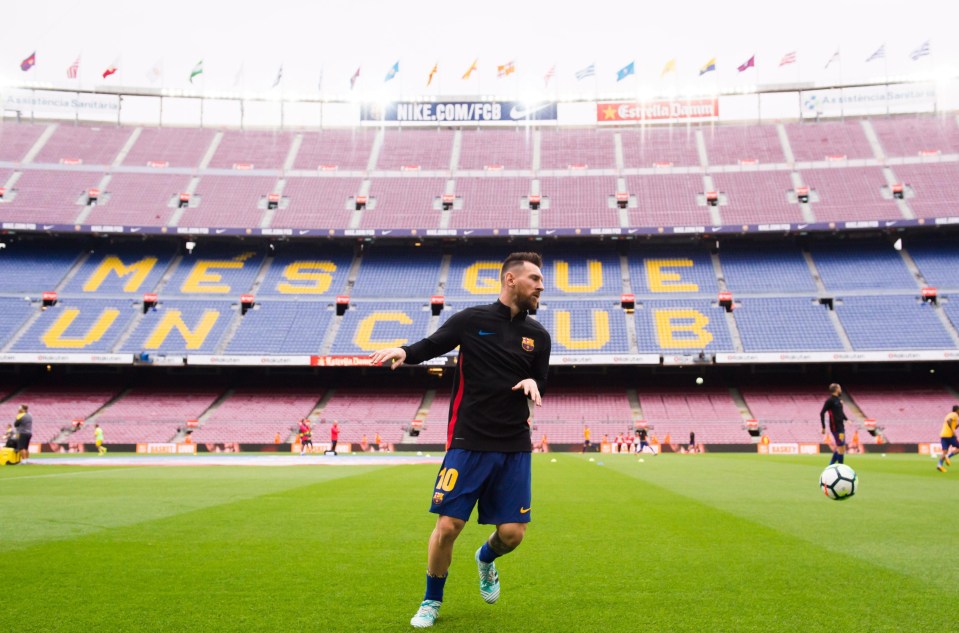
x=675 y=543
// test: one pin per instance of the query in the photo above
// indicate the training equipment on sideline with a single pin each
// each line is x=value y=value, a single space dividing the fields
x=839 y=482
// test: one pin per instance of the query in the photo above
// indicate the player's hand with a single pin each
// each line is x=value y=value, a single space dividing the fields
x=394 y=354
x=530 y=390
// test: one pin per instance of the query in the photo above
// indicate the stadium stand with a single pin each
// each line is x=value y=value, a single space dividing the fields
x=17 y=139
x=88 y=144
x=790 y=414
x=308 y=272
x=869 y=266
x=346 y=150
x=404 y=202
x=736 y=144
x=561 y=149
x=681 y=326
x=179 y=326
x=316 y=202
x=709 y=412
x=491 y=201
x=572 y=404
x=93 y=325
x=578 y=327
x=785 y=323
x=256 y=415
x=133 y=198
x=484 y=148
x=364 y=410
x=933 y=186
x=252 y=149
x=169 y=147
x=229 y=201
x=649 y=146
x=938 y=261
x=13 y=313
x=905 y=323
x=667 y=200
x=665 y=271
x=50 y=196
x=905 y=413
x=121 y=268
x=850 y=193
x=817 y=141
x=418 y=149
x=282 y=327
x=418 y=268
x=756 y=197
x=216 y=269
x=368 y=326
x=54 y=408
x=910 y=135
x=578 y=201
x=778 y=269
x=32 y=269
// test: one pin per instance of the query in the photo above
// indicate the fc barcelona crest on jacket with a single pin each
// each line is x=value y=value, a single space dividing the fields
x=528 y=344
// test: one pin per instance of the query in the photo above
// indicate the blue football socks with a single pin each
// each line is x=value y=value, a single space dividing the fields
x=486 y=553
x=434 y=587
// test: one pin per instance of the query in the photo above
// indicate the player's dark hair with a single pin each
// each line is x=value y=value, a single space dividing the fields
x=515 y=259
x=955 y=408
x=25 y=407
x=833 y=387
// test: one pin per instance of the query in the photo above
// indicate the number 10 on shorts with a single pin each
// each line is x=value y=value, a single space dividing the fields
x=446 y=479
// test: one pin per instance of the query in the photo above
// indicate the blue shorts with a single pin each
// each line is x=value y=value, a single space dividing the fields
x=839 y=437
x=500 y=482
x=948 y=442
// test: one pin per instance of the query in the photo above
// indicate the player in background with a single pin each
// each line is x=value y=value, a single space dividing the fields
x=947 y=438
x=24 y=427
x=334 y=436
x=643 y=443
x=837 y=422
x=586 y=435
x=501 y=373
x=306 y=436
x=98 y=440
x=377 y=441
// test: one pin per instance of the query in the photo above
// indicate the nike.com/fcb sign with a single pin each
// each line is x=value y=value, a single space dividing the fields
x=658 y=111
x=453 y=112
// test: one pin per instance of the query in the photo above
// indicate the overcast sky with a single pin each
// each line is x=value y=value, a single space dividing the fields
x=335 y=39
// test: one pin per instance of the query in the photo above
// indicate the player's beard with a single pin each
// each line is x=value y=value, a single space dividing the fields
x=530 y=302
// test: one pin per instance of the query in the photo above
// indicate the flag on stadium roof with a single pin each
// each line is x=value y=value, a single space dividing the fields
x=708 y=67
x=788 y=58
x=879 y=54
x=29 y=62
x=436 y=67
x=834 y=58
x=355 y=76
x=922 y=51
x=505 y=70
x=589 y=71
x=156 y=72
x=549 y=75
x=74 y=69
x=749 y=63
x=670 y=67
x=197 y=70
x=111 y=69
x=626 y=71
x=470 y=70
x=279 y=76
x=395 y=68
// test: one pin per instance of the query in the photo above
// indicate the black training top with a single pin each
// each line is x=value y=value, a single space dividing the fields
x=837 y=417
x=496 y=352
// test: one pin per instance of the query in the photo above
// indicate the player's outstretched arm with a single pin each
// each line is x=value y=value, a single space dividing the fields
x=394 y=354
x=530 y=390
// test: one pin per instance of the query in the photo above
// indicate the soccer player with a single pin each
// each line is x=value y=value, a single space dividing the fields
x=98 y=439
x=306 y=436
x=501 y=374
x=334 y=436
x=24 y=426
x=586 y=442
x=644 y=442
x=950 y=445
x=837 y=422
